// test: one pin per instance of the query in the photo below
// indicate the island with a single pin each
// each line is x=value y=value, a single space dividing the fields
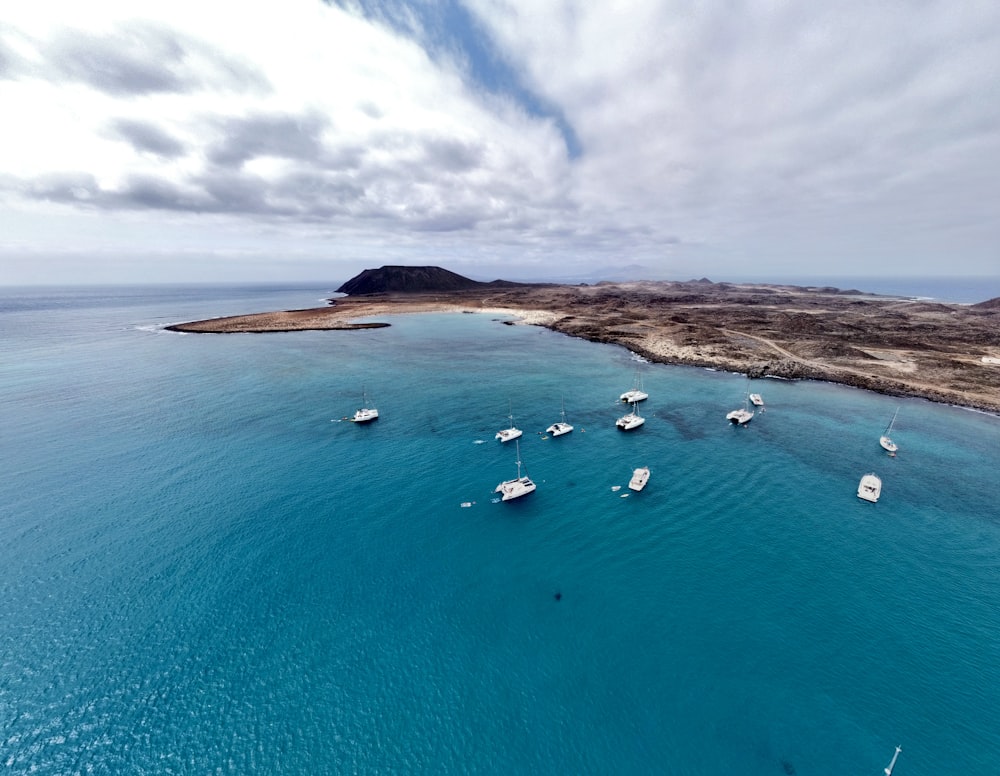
x=893 y=345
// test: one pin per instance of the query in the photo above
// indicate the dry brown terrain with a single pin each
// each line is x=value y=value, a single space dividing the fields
x=946 y=353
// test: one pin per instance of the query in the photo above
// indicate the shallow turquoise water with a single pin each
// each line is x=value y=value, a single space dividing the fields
x=205 y=571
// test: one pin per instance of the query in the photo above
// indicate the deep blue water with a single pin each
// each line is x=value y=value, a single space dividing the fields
x=204 y=570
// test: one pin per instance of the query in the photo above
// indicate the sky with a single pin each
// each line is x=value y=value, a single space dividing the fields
x=147 y=141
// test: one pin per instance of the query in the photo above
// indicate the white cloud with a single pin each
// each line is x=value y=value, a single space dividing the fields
x=712 y=135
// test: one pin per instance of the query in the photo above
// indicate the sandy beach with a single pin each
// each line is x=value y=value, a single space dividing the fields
x=897 y=346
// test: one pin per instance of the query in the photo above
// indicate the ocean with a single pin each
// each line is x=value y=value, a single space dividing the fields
x=205 y=569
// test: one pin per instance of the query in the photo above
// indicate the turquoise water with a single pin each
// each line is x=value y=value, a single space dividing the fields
x=205 y=571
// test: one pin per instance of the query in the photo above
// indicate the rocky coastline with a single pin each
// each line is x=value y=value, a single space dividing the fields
x=892 y=345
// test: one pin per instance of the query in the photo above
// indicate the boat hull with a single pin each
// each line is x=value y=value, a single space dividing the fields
x=516 y=488
x=629 y=422
x=508 y=434
x=558 y=429
x=739 y=417
x=870 y=488
x=639 y=479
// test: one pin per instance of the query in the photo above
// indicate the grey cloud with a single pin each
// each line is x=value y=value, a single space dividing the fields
x=139 y=193
x=452 y=155
x=370 y=109
x=280 y=135
x=72 y=187
x=238 y=193
x=447 y=222
x=145 y=192
x=140 y=59
x=7 y=60
x=147 y=137
x=397 y=180
x=320 y=195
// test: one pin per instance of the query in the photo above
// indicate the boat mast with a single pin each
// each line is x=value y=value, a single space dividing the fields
x=889 y=427
x=888 y=771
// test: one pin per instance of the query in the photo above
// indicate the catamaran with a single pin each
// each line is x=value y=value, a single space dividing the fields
x=630 y=421
x=744 y=415
x=635 y=394
x=885 y=440
x=740 y=417
x=507 y=434
x=561 y=427
x=517 y=487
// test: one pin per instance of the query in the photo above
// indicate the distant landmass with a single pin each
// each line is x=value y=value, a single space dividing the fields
x=394 y=279
x=892 y=344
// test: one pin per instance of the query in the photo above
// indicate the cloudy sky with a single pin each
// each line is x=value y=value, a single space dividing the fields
x=143 y=140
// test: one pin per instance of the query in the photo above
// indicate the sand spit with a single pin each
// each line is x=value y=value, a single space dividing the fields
x=878 y=343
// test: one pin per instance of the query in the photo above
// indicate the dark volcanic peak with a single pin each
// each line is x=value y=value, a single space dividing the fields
x=400 y=279
x=989 y=304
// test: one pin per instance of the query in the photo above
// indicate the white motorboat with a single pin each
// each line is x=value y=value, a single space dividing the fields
x=870 y=488
x=517 y=487
x=630 y=421
x=756 y=400
x=635 y=394
x=366 y=414
x=885 y=440
x=561 y=427
x=639 y=478
x=507 y=434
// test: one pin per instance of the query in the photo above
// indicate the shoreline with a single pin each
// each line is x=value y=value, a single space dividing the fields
x=888 y=345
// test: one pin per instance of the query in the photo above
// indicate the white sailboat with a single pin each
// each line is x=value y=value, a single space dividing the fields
x=507 y=434
x=639 y=479
x=756 y=400
x=366 y=414
x=885 y=440
x=888 y=771
x=635 y=394
x=561 y=427
x=870 y=488
x=517 y=487
x=744 y=415
x=630 y=421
